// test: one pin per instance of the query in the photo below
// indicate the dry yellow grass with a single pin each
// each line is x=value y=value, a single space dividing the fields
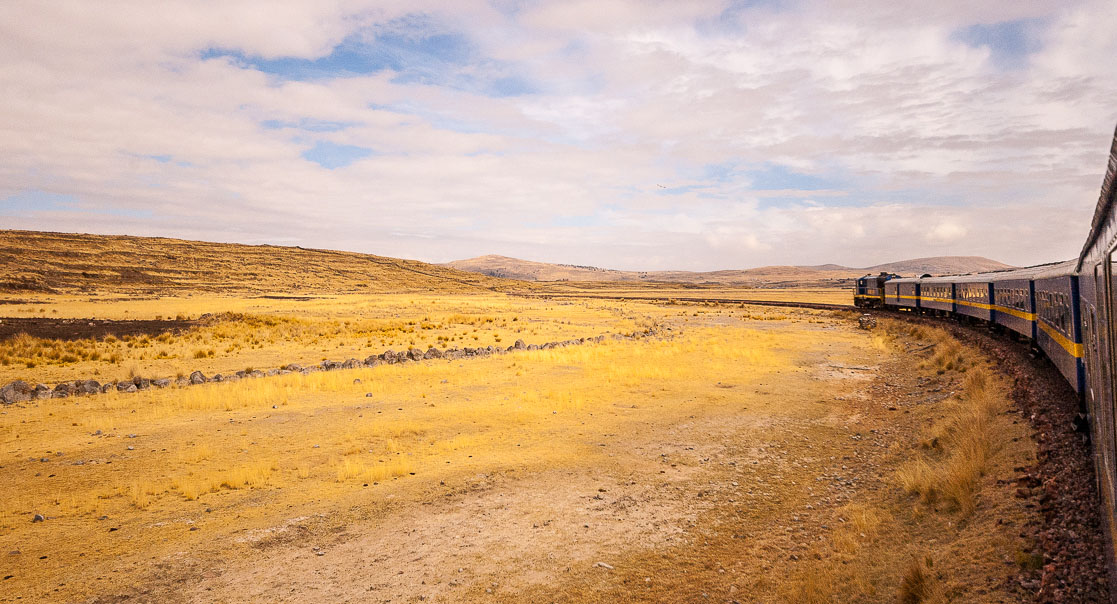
x=266 y=333
x=958 y=447
x=429 y=437
x=316 y=440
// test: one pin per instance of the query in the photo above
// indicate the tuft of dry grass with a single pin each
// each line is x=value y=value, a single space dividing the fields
x=959 y=447
x=919 y=585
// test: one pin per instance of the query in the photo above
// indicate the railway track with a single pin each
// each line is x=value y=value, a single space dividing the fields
x=790 y=304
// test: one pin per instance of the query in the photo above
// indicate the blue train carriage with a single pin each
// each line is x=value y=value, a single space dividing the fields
x=937 y=294
x=1014 y=298
x=973 y=296
x=1059 y=332
x=1097 y=269
x=902 y=292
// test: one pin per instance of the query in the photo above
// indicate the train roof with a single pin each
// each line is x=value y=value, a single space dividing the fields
x=1058 y=269
x=1039 y=271
x=1105 y=203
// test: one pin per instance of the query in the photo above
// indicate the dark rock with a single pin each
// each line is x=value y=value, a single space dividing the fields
x=198 y=378
x=161 y=383
x=217 y=378
x=519 y=345
x=37 y=518
x=89 y=387
x=415 y=354
x=141 y=383
x=65 y=387
x=351 y=364
x=59 y=394
x=42 y=391
x=432 y=353
x=126 y=387
x=372 y=360
x=107 y=387
x=293 y=367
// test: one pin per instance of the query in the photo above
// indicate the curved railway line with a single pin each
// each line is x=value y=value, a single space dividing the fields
x=787 y=303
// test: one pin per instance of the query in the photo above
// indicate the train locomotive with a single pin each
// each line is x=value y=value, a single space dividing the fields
x=1067 y=309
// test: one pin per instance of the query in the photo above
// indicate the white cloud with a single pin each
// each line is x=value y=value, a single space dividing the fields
x=913 y=132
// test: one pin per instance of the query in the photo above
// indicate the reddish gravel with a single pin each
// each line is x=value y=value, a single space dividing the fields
x=1076 y=567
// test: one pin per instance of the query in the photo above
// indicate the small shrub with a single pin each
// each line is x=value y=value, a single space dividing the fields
x=918 y=585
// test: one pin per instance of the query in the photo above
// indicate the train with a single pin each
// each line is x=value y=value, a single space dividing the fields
x=1068 y=310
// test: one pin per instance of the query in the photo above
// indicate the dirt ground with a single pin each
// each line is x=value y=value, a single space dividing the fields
x=771 y=480
x=77 y=329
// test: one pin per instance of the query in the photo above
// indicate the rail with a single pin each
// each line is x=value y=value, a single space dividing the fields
x=786 y=303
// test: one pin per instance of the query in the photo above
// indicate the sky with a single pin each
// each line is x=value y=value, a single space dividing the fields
x=641 y=135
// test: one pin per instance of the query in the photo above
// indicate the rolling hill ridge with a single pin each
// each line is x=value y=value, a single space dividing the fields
x=527 y=270
x=33 y=261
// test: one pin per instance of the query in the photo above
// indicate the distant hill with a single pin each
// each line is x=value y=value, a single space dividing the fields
x=32 y=261
x=527 y=270
x=941 y=265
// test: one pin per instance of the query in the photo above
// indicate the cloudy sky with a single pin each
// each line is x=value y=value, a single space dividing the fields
x=627 y=134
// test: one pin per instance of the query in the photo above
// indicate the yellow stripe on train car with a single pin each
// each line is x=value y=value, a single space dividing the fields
x=1073 y=348
x=1022 y=314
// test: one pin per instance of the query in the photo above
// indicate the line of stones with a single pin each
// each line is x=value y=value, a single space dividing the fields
x=21 y=391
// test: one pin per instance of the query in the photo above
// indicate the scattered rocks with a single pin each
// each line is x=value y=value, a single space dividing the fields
x=16 y=392
x=867 y=321
x=21 y=391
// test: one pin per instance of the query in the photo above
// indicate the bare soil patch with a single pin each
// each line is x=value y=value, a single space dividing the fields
x=80 y=329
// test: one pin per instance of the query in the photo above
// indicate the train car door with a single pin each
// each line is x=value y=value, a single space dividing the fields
x=1104 y=294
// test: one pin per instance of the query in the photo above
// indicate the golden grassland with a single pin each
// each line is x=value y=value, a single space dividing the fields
x=636 y=450
x=268 y=333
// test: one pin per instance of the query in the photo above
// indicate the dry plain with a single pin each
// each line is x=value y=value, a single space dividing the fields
x=678 y=451
x=736 y=454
